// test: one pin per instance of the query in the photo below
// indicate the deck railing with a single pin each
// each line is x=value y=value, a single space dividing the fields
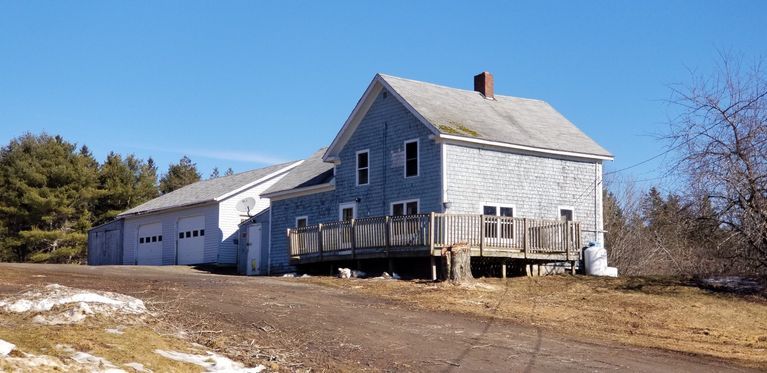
x=435 y=231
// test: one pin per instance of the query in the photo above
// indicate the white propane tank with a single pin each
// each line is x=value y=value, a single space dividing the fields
x=595 y=259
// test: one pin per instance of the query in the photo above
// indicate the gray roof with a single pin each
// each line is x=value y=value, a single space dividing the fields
x=313 y=171
x=204 y=191
x=511 y=120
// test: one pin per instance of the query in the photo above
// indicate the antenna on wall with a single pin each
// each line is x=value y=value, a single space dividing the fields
x=245 y=205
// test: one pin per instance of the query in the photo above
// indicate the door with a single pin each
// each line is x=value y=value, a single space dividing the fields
x=112 y=252
x=253 y=255
x=191 y=240
x=149 y=244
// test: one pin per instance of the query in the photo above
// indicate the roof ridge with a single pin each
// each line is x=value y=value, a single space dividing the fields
x=454 y=88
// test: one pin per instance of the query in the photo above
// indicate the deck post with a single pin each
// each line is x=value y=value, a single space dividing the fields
x=319 y=239
x=351 y=234
x=431 y=233
x=524 y=237
x=567 y=240
x=481 y=234
x=387 y=230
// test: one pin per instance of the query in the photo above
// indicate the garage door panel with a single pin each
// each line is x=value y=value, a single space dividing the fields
x=191 y=240
x=149 y=244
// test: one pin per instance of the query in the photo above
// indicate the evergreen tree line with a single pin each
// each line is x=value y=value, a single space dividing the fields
x=52 y=192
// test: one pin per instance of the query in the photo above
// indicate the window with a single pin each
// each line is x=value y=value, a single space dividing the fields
x=566 y=214
x=154 y=238
x=188 y=234
x=498 y=227
x=195 y=233
x=159 y=238
x=363 y=167
x=141 y=240
x=411 y=158
x=404 y=207
x=302 y=221
x=347 y=211
x=181 y=235
x=202 y=232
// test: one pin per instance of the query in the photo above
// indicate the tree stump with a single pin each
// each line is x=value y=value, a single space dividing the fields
x=458 y=263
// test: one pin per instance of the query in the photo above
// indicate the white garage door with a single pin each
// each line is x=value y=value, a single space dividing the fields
x=191 y=240
x=149 y=244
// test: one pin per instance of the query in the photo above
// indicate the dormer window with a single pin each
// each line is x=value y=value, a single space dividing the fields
x=411 y=158
x=363 y=167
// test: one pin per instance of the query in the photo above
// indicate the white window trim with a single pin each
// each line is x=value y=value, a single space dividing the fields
x=405 y=201
x=498 y=205
x=417 y=142
x=357 y=168
x=560 y=208
x=346 y=205
x=302 y=217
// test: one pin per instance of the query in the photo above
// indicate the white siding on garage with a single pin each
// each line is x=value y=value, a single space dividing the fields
x=169 y=219
x=230 y=218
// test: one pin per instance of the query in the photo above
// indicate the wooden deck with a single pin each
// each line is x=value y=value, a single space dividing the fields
x=424 y=235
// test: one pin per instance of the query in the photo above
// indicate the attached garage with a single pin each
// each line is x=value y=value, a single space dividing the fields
x=149 y=248
x=191 y=240
x=196 y=224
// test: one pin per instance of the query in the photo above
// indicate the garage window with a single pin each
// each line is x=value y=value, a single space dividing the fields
x=154 y=238
x=188 y=234
x=181 y=235
x=195 y=233
x=141 y=240
x=159 y=238
x=202 y=232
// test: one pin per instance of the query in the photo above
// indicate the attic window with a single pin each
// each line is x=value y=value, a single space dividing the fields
x=411 y=158
x=385 y=94
x=363 y=167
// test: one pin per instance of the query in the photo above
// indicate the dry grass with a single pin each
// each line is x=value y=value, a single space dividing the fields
x=670 y=314
x=136 y=344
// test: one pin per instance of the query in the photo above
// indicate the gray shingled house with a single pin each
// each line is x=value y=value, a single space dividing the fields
x=192 y=225
x=418 y=167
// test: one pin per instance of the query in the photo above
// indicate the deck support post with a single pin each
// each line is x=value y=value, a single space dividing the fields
x=433 y=268
x=503 y=269
x=391 y=266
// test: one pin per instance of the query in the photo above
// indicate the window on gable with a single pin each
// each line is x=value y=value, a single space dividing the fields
x=404 y=208
x=363 y=167
x=566 y=214
x=411 y=158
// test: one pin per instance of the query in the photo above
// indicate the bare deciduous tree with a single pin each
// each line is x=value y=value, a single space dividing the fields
x=721 y=140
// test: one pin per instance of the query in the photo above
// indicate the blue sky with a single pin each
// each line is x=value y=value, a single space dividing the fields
x=244 y=84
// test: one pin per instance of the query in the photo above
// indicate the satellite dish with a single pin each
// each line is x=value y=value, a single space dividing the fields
x=245 y=205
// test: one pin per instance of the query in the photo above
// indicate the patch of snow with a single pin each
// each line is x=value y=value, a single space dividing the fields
x=114 y=331
x=6 y=348
x=98 y=364
x=138 y=367
x=350 y=273
x=212 y=362
x=293 y=274
x=86 y=303
x=30 y=363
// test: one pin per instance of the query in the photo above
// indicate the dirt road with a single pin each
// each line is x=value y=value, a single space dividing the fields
x=339 y=330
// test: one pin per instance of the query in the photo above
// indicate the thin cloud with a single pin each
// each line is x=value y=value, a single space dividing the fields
x=226 y=155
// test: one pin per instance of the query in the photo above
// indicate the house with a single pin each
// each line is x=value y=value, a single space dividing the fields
x=418 y=167
x=192 y=225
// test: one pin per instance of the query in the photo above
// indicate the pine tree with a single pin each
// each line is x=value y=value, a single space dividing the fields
x=229 y=172
x=181 y=174
x=214 y=174
x=48 y=193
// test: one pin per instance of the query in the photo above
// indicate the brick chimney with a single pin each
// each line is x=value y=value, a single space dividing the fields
x=483 y=83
